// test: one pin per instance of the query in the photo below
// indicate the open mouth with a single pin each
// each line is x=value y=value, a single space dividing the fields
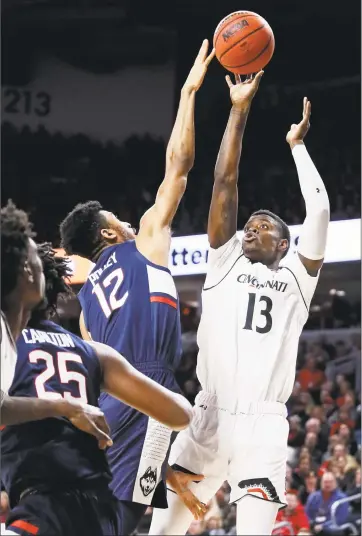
x=250 y=238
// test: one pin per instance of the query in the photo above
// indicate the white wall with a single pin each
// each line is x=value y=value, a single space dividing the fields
x=104 y=106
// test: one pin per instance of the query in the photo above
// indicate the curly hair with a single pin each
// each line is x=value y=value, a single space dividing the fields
x=16 y=230
x=57 y=273
x=80 y=230
x=284 y=229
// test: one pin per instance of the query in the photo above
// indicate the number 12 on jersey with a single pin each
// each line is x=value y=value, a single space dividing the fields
x=108 y=306
x=264 y=312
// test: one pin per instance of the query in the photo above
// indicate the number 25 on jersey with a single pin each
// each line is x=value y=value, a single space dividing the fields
x=116 y=277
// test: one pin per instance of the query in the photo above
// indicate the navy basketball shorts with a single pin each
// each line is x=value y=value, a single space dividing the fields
x=60 y=513
x=139 y=455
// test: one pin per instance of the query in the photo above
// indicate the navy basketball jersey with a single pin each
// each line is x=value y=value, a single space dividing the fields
x=131 y=304
x=53 y=454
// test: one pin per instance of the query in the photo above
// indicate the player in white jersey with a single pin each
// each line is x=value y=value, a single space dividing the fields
x=255 y=305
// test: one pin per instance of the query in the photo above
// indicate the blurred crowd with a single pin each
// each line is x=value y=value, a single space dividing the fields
x=39 y=168
x=324 y=445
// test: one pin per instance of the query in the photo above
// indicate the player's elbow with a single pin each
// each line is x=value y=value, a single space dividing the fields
x=180 y=161
x=181 y=414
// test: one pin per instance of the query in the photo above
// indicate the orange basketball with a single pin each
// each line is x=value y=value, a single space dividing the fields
x=244 y=42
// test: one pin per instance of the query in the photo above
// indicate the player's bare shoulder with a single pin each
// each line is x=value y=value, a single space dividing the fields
x=153 y=240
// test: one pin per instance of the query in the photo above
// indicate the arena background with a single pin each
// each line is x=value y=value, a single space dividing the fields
x=89 y=94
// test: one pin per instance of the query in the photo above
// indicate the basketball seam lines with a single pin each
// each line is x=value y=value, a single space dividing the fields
x=242 y=39
x=216 y=37
x=251 y=61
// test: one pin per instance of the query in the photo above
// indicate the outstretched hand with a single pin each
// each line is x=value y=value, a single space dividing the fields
x=198 y=70
x=242 y=93
x=179 y=482
x=298 y=132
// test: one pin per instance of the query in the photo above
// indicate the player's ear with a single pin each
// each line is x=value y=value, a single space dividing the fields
x=283 y=245
x=28 y=272
x=109 y=235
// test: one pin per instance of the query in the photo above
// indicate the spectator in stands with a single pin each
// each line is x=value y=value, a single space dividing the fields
x=310 y=442
x=319 y=505
x=310 y=377
x=296 y=434
x=313 y=425
x=344 y=391
x=355 y=514
x=345 y=437
x=339 y=450
x=310 y=486
x=302 y=470
x=342 y=417
x=294 y=514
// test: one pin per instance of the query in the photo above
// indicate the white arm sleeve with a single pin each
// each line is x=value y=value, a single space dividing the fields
x=221 y=260
x=313 y=235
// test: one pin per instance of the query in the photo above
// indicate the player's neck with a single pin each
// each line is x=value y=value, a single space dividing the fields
x=98 y=252
x=16 y=316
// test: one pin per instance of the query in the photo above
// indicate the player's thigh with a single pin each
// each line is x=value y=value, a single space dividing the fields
x=258 y=466
x=129 y=515
x=198 y=450
x=71 y=513
x=255 y=516
x=35 y=515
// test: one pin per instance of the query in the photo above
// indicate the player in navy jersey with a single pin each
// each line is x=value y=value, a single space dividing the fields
x=129 y=301
x=56 y=476
x=22 y=289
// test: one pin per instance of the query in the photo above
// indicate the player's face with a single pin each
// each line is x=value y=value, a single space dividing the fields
x=117 y=231
x=33 y=281
x=262 y=241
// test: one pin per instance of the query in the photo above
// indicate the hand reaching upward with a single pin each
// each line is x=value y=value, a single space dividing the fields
x=298 y=132
x=199 y=68
x=242 y=93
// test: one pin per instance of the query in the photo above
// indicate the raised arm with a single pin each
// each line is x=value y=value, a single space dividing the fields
x=222 y=224
x=313 y=235
x=180 y=151
x=124 y=382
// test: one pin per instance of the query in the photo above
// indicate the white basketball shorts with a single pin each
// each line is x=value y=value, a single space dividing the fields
x=247 y=448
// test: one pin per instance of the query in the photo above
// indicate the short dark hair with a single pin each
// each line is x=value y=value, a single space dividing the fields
x=80 y=230
x=56 y=273
x=284 y=229
x=16 y=230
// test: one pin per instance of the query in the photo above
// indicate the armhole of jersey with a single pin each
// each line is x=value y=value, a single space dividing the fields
x=227 y=273
x=296 y=280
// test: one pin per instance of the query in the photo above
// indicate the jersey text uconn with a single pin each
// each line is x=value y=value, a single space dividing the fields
x=251 y=280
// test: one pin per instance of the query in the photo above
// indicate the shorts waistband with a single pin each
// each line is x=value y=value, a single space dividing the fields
x=242 y=407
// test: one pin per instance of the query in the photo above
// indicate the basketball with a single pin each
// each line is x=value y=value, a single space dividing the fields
x=244 y=42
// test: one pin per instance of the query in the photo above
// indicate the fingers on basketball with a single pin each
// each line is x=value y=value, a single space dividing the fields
x=210 y=57
x=258 y=77
x=228 y=81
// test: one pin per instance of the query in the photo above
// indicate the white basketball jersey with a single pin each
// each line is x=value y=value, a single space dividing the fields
x=8 y=356
x=251 y=321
